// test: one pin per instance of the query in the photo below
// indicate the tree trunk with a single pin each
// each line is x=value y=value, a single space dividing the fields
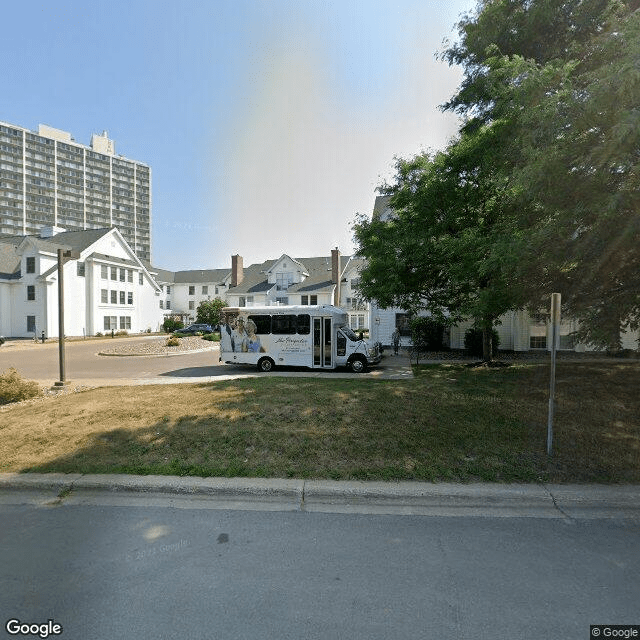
x=487 y=343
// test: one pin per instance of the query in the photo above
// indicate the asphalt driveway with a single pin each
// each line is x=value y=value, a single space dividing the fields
x=85 y=367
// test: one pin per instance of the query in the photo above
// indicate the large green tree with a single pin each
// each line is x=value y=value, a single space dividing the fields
x=208 y=311
x=546 y=162
x=442 y=249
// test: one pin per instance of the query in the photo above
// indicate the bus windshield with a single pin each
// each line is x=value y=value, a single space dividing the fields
x=350 y=334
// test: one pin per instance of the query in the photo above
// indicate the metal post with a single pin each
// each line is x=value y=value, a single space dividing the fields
x=61 y=382
x=555 y=330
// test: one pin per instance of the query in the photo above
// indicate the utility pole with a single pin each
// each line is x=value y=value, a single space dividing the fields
x=555 y=331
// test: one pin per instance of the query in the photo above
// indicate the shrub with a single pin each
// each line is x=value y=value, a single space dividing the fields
x=122 y=332
x=473 y=342
x=147 y=330
x=2 y=340
x=14 y=388
x=99 y=334
x=427 y=334
x=212 y=337
x=173 y=342
x=170 y=325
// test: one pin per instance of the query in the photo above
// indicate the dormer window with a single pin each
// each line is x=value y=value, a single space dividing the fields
x=284 y=280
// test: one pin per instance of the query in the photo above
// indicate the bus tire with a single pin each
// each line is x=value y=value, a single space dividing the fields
x=358 y=364
x=265 y=364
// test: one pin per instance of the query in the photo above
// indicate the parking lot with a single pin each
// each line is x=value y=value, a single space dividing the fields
x=85 y=367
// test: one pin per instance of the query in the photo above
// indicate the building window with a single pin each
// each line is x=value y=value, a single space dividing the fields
x=121 y=297
x=129 y=297
x=125 y=322
x=114 y=273
x=31 y=292
x=313 y=299
x=122 y=275
x=192 y=290
x=403 y=324
x=242 y=301
x=104 y=272
x=168 y=305
x=356 y=321
x=130 y=275
x=284 y=280
x=168 y=290
x=538 y=342
x=31 y=324
x=205 y=290
x=161 y=304
x=191 y=305
x=31 y=265
x=80 y=269
x=217 y=291
x=140 y=278
x=567 y=342
x=104 y=296
x=282 y=300
x=110 y=322
x=304 y=299
x=114 y=297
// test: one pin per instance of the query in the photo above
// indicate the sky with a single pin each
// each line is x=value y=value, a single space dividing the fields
x=267 y=124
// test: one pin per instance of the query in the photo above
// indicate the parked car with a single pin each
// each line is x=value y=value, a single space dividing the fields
x=195 y=328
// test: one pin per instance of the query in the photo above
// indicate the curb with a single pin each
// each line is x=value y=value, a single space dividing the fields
x=328 y=496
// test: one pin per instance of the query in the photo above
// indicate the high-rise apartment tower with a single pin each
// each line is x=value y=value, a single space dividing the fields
x=47 y=179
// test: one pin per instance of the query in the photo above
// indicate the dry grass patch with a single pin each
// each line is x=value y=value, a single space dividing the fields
x=450 y=423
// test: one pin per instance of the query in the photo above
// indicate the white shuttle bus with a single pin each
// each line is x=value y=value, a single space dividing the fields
x=299 y=336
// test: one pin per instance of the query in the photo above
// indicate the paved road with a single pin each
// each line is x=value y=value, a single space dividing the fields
x=41 y=363
x=144 y=571
x=84 y=366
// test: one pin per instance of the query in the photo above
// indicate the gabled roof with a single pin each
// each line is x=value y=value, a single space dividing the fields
x=193 y=276
x=318 y=279
x=201 y=276
x=382 y=208
x=284 y=256
x=9 y=261
x=74 y=240
x=78 y=241
x=13 y=247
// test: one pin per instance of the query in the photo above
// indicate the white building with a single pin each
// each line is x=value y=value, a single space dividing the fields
x=106 y=288
x=182 y=291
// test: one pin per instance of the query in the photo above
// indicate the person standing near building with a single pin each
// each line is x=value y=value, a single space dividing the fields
x=395 y=337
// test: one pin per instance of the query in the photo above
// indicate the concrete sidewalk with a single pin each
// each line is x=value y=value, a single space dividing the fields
x=271 y=494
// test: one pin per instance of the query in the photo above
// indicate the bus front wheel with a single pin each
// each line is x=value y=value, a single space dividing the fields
x=358 y=365
x=265 y=364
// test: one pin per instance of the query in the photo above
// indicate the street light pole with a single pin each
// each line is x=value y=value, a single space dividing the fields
x=62 y=381
x=63 y=256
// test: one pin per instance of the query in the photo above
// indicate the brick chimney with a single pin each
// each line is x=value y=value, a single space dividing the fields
x=335 y=275
x=237 y=271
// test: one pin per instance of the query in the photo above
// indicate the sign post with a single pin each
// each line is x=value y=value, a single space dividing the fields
x=555 y=331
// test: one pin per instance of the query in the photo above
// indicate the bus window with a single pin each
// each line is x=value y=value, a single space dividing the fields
x=263 y=324
x=283 y=324
x=304 y=324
